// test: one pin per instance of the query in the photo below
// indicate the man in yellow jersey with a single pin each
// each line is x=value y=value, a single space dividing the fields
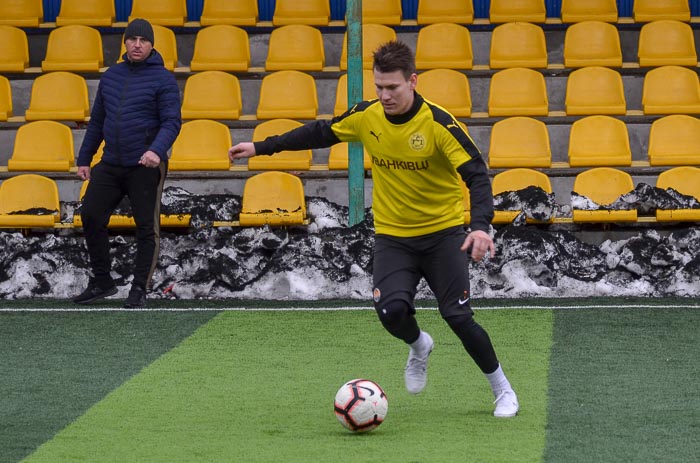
x=420 y=154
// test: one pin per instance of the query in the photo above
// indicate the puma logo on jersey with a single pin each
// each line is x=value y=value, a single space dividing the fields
x=452 y=124
x=371 y=132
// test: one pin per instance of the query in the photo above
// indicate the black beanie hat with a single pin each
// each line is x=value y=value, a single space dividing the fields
x=139 y=28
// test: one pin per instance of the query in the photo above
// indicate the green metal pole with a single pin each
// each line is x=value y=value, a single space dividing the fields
x=356 y=170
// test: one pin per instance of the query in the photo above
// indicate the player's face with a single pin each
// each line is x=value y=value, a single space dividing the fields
x=394 y=91
x=138 y=48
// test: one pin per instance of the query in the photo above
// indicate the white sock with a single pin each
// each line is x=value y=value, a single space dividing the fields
x=498 y=381
x=420 y=345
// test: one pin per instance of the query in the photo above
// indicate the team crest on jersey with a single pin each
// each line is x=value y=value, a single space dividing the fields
x=417 y=141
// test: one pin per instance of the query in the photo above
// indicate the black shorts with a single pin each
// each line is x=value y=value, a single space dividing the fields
x=399 y=264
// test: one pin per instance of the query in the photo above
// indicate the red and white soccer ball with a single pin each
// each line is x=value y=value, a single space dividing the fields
x=361 y=405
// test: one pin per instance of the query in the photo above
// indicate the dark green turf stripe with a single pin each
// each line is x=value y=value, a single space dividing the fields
x=624 y=386
x=54 y=366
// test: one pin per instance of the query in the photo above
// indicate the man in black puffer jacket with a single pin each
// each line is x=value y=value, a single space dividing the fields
x=137 y=113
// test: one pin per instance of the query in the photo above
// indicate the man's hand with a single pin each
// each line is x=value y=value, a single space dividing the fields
x=480 y=243
x=84 y=172
x=242 y=150
x=150 y=159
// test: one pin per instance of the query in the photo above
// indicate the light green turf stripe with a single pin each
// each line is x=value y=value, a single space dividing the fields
x=258 y=387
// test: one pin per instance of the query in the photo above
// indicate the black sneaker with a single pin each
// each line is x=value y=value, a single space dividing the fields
x=94 y=293
x=137 y=298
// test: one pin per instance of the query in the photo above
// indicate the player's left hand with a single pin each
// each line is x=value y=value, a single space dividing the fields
x=149 y=159
x=480 y=243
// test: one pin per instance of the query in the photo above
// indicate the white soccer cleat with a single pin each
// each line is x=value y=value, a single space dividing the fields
x=506 y=404
x=416 y=373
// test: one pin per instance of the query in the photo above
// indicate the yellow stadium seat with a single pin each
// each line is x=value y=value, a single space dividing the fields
x=386 y=12
x=25 y=194
x=519 y=142
x=284 y=160
x=599 y=141
x=296 y=46
x=518 y=44
x=221 y=48
x=231 y=12
x=288 y=94
x=86 y=12
x=592 y=43
x=59 y=96
x=14 y=49
x=43 y=146
x=74 y=48
x=22 y=13
x=595 y=90
x=212 y=95
x=373 y=35
x=309 y=12
x=518 y=92
x=161 y=12
x=447 y=88
x=5 y=99
x=98 y=155
x=603 y=185
x=652 y=10
x=444 y=45
x=516 y=180
x=338 y=158
x=667 y=42
x=686 y=181
x=671 y=90
x=166 y=46
x=675 y=141
x=201 y=145
x=273 y=198
x=341 y=91
x=574 y=11
x=503 y=11
x=456 y=11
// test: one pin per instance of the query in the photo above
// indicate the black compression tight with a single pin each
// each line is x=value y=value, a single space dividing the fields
x=475 y=340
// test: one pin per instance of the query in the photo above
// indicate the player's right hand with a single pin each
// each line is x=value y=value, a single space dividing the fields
x=241 y=150
x=84 y=172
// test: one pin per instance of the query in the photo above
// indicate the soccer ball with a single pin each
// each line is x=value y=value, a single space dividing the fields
x=360 y=405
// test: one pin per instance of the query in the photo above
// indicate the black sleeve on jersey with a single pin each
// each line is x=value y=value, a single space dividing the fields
x=317 y=134
x=475 y=175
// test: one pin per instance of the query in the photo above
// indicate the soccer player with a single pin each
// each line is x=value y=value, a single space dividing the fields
x=420 y=154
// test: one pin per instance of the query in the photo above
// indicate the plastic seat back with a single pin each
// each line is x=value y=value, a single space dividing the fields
x=221 y=48
x=35 y=198
x=284 y=160
x=201 y=145
x=296 y=46
x=14 y=49
x=231 y=12
x=212 y=95
x=595 y=90
x=574 y=11
x=22 y=13
x=387 y=12
x=671 y=90
x=167 y=46
x=74 y=48
x=599 y=141
x=518 y=92
x=309 y=12
x=503 y=11
x=516 y=180
x=86 y=12
x=447 y=88
x=652 y=10
x=288 y=94
x=341 y=91
x=5 y=99
x=456 y=11
x=42 y=146
x=518 y=44
x=338 y=158
x=59 y=96
x=519 y=142
x=592 y=43
x=162 y=12
x=273 y=198
x=674 y=141
x=603 y=185
x=667 y=42
x=686 y=181
x=444 y=45
x=373 y=35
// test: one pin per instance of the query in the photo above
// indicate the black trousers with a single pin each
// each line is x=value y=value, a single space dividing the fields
x=108 y=186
